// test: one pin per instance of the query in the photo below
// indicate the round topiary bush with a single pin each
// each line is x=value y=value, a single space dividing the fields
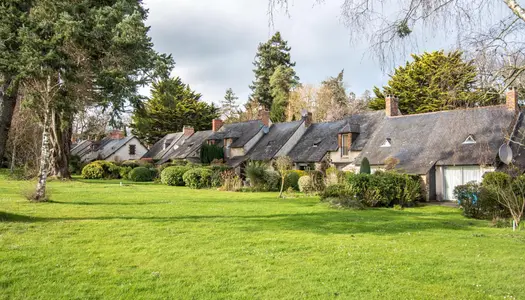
x=305 y=184
x=140 y=174
x=198 y=178
x=101 y=169
x=292 y=181
x=173 y=175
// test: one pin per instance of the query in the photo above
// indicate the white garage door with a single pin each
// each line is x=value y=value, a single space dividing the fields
x=458 y=175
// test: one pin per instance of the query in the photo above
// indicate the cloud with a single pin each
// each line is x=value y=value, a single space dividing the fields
x=214 y=43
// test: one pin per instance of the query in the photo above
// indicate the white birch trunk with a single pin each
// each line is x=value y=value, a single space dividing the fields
x=40 y=193
x=516 y=8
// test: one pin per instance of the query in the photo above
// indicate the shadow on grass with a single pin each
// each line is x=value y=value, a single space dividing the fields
x=380 y=221
x=86 y=203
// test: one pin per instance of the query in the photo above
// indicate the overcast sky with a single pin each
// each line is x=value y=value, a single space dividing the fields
x=214 y=43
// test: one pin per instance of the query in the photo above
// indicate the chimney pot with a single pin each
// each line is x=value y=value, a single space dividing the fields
x=512 y=99
x=391 y=105
x=188 y=131
x=308 y=119
x=216 y=124
x=116 y=134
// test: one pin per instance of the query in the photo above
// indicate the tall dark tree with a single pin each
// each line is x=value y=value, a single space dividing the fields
x=434 y=81
x=282 y=82
x=74 y=53
x=14 y=16
x=229 y=106
x=270 y=55
x=172 y=106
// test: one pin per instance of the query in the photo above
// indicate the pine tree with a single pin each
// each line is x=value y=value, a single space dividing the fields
x=172 y=105
x=270 y=55
x=332 y=100
x=229 y=106
x=365 y=166
x=434 y=81
x=282 y=82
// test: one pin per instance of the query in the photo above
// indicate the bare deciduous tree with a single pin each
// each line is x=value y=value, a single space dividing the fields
x=394 y=27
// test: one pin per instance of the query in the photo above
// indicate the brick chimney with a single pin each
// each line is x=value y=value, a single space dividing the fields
x=116 y=134
x=188 y=131
x=308 y=119
x=264 y=116
x=216 y=124
x=392 y=108
x=512 y=99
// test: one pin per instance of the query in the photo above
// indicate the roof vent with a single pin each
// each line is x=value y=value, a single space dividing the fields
x=387 y=143
x=470 y=140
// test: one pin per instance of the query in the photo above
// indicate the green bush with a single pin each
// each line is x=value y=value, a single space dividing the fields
x=334 y=176
x=101 y=169
x=137 y=163
x=496 y=178
x=292 y=181
x=469 y=200
x=75 y=165
x=255 y=171
x=140 y=174
x=154 y=173
x=272 y=181
x=198 y=178
x=217 y=170
x=305 y=184
x=124 y=172
x=210 y=153
x=173 y=176
x=335 y=191
x=365 y=166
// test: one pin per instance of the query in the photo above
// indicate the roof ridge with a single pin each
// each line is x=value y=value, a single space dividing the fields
x=452 y=111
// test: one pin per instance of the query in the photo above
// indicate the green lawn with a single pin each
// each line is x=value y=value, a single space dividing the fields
x=100 y=240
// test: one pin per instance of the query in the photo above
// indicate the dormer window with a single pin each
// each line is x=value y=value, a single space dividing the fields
x=469 y=140
x=345 y=144
x=387 y=143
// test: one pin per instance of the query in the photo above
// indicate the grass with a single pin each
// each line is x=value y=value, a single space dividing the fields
x=100 y=240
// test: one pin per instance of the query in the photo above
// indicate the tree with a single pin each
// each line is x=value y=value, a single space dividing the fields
x=270 y=55
x=14 y=14
x=332 y=100
x=284 y=164
x=512 y=197
x=302 y=97
x=229 y=106
x=73 y=53
x=172 y=106
x=282 y=82
x=432 y=82
x=495 y=27
x=365 y=166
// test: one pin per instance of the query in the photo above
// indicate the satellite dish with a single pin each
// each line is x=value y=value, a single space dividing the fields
x=505 y=154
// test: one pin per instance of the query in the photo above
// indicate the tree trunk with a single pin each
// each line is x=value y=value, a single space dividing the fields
x=60 y=138
x=45 y=155
x=8 y=96
x=282 y=186
x=40 y=193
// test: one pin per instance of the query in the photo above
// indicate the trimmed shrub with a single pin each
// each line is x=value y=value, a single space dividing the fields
x=101 y=169
x=198 y=178
x=365 y=167
x=140 y=174
x=497 y=178
x=305 y=184
x=173 y=176
x=468 y=199
x=137 y=163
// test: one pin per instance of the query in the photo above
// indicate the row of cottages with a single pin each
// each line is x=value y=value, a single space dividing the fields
x=446 y=148
x=115 y=147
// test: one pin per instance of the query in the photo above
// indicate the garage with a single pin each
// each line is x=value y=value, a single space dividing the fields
x=458 y=175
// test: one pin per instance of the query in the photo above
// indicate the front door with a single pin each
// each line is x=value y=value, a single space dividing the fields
x=459 y=175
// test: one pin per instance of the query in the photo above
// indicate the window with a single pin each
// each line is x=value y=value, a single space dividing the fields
x=470 y=140
x=387 y=143
x=132 y=149
x=345 y=142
